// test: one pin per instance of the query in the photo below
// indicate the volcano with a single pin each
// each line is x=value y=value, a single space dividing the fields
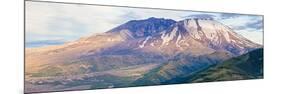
x=129 y=55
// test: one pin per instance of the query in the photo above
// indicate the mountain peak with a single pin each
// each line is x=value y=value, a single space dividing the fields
x=151 y=21
x=145 y=27
x=154 y=18
x=201 y=32
x=193 y=33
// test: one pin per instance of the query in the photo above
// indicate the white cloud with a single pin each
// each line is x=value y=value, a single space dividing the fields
x=61 y=18
x=253 y=35
x=240 y=24
x=241 y=20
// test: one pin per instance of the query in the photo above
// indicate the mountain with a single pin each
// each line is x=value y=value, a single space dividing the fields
x=87 y=47
x=161 y=38
x=136 y=51
x=246 y=66
x=194 y=36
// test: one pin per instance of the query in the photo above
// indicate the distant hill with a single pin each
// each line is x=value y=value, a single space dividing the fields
x=180 y=67
x=246 y=66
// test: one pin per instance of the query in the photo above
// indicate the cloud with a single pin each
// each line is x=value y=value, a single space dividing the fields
x=195 y=14
x=202 y=16
x=244 y=22
x=69 y=22
x=257 y=25
x=252 y=35
x=249 y=26
x=228 y=15
x=66 y=26
x=137 y=14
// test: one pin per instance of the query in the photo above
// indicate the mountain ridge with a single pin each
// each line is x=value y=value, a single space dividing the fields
x=176 y=38
x=183 y=32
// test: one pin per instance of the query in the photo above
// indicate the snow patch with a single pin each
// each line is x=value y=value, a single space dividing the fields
x=151 y=44
x=208 y=29
x=168 y=37
x=143 y=43
x=192 y=26
x=196 y=35
x=178 y=39
x=223 y=30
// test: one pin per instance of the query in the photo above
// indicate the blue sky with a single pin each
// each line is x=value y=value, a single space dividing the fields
x=54 y=22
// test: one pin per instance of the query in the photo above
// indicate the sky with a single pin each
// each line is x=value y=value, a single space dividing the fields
x=56 y=23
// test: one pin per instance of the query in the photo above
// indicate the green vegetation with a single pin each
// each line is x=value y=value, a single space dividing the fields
x=247 y=66
x=48 y=71
x=151 y=78
x=174 y=68
x=109 y=81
